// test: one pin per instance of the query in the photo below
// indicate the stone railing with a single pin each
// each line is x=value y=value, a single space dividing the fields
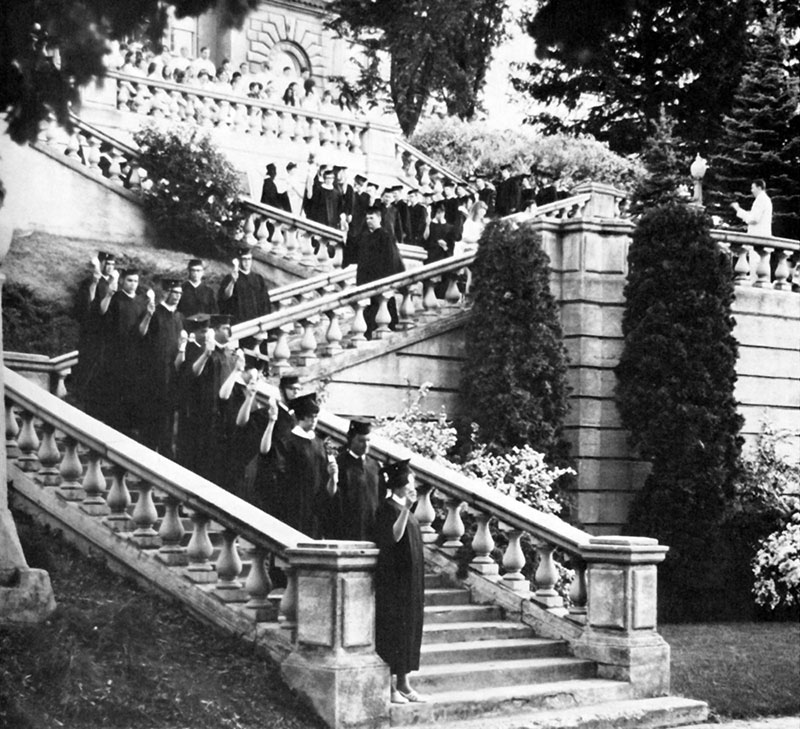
x=569 y=208
x=770 y=263
x=211 y=107
x=293 y=236
x=407 y=157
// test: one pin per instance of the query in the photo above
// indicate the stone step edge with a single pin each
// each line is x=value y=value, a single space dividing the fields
x=499 y=665
x=491 y=643
x=655 y=713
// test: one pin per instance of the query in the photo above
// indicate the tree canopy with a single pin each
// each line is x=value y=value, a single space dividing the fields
x=50 y=48
x=615 y=63
x=434 y=47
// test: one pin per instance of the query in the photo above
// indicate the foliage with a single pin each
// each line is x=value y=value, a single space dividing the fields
x=560 y=160
x=434 y=47
x=615 y=64
x=675 y=395
x=761 y=135
x=35 y=326
x=49 y=49
x=193 y=197
x=777 y=568
x=515 y=373
x=422 y=431
x=667 y=167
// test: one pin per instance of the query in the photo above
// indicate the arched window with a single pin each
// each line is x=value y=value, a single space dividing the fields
x=286 y=54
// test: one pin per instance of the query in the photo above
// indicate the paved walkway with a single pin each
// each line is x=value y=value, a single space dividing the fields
x=780 y=722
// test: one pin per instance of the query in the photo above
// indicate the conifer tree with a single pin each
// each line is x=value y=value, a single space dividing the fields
x=759 y=138
x=667 y=168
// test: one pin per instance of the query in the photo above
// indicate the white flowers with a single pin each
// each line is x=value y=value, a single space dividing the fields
x=777 y=568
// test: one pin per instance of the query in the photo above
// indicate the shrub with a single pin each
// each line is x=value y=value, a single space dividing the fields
x=559 y=160
x=674 y=393
x=192 y=195
x=777 y=568
x=36 y=326
x=515 y=373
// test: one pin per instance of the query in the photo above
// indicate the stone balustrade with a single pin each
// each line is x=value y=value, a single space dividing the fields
x=213 y=108
x=292 y=237
x=761 y=262
x=408 y=156
x=569 y=208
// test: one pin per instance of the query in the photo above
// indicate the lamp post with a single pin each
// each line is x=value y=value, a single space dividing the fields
x=698 y=171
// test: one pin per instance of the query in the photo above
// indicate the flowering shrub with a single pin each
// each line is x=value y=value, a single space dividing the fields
x=777 y=568
x=192 y=191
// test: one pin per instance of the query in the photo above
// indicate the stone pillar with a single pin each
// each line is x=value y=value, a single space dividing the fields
x=333 y=664
x=620 y=633
x=26 y=595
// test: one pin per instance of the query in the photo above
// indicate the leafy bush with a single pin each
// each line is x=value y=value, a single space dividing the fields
x=559 y=160
x=675 y=386
x=192 y=195
x=515 y=373
x=36 y=326
x=777 y=568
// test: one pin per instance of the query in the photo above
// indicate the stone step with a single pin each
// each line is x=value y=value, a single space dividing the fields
x=461 y=613
x=478 y=630
x=447 y=596
x=491 y=650
x=436 y=579
x=488 y=674
x=622 y=713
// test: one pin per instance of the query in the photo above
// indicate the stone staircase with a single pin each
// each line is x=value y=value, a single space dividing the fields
x=480 y=669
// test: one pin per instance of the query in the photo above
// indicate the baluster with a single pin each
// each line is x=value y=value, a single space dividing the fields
x=308 y=342
x=114 y=167
x=199 y=551
x=229 y=567
x=338 y=254
x=249 y=231
x=57 y=383
x=763 y=271
x=356 y=146
x=258 y=586
x=341 y=136
x=237 y=123
x=383 y=318
x=546 y=577
x=12 y=431
x=94 y=484
x=28 y=443
x=123 y=96
x=288 y=608
x=269 y=124
x=742 y=268
x=291 y=244
x=49 y=456
x=278 y=240
x=358 y=327
x=71 y=470
x=407 y=310
x=144 y=517
x=513 y=562
x=91 y=154
x=284 y=131
x=453 y=528
x=577 y=591
x=333 y=335
x=262 y=233
x=73 y=145
x=135 y=178
x=171 y=532
x=302 y=130
x=482 y=545
x=323 y=259
x=324 y=134
x=782 y=271
x=452 y=296
x=254 y=121
x=430 y=304
x=118 y=501
x=313 y=132
x=307 y=255
x=282 y=353
x=426 y=514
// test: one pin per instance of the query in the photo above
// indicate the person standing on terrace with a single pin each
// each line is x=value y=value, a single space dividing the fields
x=244 y=294
x=197 y=297
x=759 y=217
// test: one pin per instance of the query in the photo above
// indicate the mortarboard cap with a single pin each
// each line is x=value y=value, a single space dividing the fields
x=288 y=381
x=305 y=406
x=104 y=257
x=360 y=178
x=195 y=262
x=272 y=170
x=196 y=322
x=339 y=168
x=290 y=166
x=373 y=184
x=395 y=475
x=218 y=320
x=129 y=272
x=244 y=252
x=359 y=426
x=170 y=283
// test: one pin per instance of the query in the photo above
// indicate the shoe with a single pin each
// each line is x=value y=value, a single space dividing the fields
x=413 y=697
x=398 y=697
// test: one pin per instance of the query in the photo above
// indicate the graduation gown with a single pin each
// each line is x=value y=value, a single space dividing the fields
x=326 y=206
x=350 y=512
x=378 y=257
x=301 y=474
x=90 y=335
x=250 y=298
x=199 y=299
x=437 y=232
x=399 y=590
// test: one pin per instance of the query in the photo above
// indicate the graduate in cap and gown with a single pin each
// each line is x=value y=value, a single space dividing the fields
x=350 y=511
x=163 y=327
x=303 y=472
x=399 y=581
x=244 y=294
x=197 y=297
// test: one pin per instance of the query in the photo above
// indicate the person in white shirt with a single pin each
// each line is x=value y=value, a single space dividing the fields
x=204 y=63
x=759 y=217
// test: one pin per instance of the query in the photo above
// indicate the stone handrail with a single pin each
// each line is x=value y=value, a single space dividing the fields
x=211 y=107
x=752 y=259
x=407 y=156
x=156 y=475
x=566 y=209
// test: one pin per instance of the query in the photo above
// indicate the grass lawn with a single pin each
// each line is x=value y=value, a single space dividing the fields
x=741 y=669
x=114 y=655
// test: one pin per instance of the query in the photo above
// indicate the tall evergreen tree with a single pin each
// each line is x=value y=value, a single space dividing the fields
x=675 y=382
x=759 y=138
x=515 y=374
x=667 y=167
